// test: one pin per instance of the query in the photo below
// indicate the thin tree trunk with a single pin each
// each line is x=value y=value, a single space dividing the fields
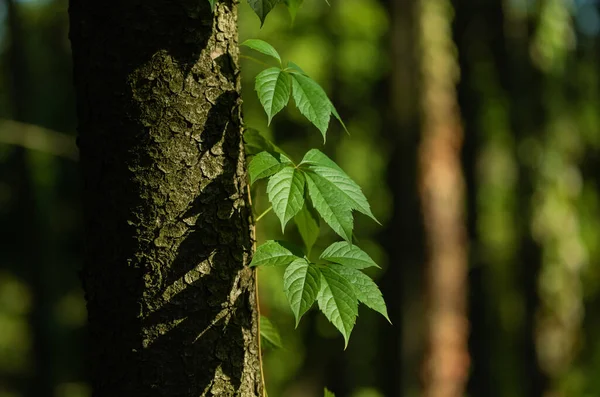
x=442 y=194
x=401 y=346
x=171 y=302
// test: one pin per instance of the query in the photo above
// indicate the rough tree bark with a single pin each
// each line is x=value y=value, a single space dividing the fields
x=442 y=197
x=171 y=302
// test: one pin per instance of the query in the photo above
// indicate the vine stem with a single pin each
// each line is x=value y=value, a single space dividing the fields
x=264 y=213
x=253 y=236
x=254 y=59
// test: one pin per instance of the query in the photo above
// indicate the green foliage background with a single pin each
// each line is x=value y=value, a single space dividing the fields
x=530 y=102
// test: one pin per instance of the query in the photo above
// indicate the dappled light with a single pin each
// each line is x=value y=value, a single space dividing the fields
x=469 y=131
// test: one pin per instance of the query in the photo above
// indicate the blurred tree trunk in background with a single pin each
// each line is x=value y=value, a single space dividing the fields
x=443 y=200
x=524 y=89
x=27 y=228
x=500 y=100
x=171 y=302
x=402 y=345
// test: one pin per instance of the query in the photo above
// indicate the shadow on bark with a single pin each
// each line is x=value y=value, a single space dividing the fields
x=208 y=316
x=171 y=307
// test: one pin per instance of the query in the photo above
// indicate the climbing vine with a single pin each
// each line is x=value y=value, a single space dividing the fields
x=305 y=192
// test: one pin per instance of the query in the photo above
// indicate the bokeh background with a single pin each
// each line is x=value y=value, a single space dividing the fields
x=506 y=92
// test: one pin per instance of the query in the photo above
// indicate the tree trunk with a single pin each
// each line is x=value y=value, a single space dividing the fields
x=442 y=195
x=401 y=347
x=171 y=302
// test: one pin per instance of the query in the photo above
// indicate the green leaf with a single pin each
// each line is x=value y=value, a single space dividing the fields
x=347 y=255
x=286 y=193
x=293 y=6
x=295 y=68
x=275 y=253
x=212 y=5
x=262 y=47
x=269 y=334
x=335 y=212
x=262 y=8
x=301 y=283
x=338 y=301
x=328 y=393
x=265 y=164
x=273 y=88
x=255 y=143
x=312 y=101
x=344 y=188
x=337 y=116
x=307 y=221
x=365 y=288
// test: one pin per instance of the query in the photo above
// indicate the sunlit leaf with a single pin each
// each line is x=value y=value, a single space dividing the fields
x=328 y=393
x=338 y=301
x=365 y=288
x=273 y=88
x=263 y=47
x=212 y=5
x=301 y=283
x=335 y=212
x=347 y=255
x=340 y=184
x=312 y=101
x=275 y=253
x=265 y=164
x=286 y=193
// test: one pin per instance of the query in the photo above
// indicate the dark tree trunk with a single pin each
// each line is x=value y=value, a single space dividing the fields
x=401 y=346
x=171 y=302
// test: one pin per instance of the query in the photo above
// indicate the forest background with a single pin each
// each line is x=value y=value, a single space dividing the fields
x=525 y=78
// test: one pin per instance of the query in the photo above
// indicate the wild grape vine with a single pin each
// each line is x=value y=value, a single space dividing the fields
x=305 y=192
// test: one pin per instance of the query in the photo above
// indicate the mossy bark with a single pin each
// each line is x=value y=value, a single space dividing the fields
x=171 y=302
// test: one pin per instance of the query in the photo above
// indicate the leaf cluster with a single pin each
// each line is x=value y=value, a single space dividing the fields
x=336 y=282
x=314 y=189
x=275 y=86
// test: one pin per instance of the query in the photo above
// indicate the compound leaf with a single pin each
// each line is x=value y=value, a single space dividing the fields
x=301 y=283
x=286 y=193
x=338 y=301
x=275 y=253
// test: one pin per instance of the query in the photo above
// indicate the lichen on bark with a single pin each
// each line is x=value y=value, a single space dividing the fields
x=171 y=302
